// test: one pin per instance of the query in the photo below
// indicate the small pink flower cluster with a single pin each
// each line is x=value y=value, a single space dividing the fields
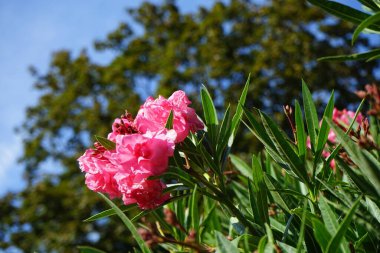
x=343 y=119
x=143 y=148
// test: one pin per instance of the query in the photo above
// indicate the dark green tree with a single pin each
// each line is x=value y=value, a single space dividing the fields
x=277 y=42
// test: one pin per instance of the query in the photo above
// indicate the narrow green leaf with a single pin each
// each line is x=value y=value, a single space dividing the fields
x=88 y=249
x=258 y=130
x=325 y=129
x=239 y=112
x=269 y=247
x=276 y=195
x=373 y=209
x=209 y=110
x=300 y=132
x=109 y=212
x=287 y=248
x=144 y=248
x=321 y=233
x=107 y=144
x=284 y=149
x=365 y=24
x=329 y=218
x=260 y=188
x=255 y=210
x=310 y=115
x=370 y=4
x=241 y=166
x=223 y=245
x=262 y=244
x=169 y=121
x=336 y=240
x=343 y=11
x=224 y=134
x=302 y=230
x=194 y=210
x=352 y=57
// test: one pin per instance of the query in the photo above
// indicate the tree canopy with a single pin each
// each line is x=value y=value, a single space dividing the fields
x=162 y=50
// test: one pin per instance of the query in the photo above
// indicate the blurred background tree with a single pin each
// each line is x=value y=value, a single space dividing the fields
x=163 y=50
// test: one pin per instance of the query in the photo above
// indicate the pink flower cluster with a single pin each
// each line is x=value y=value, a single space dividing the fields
x=343 y=119
x=143 y=148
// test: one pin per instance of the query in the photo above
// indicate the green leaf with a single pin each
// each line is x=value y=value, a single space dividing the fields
x=336 y=240
x=321 y=233
x=241 y=166
x=370 y=4
x=365 y=24
x=325 y=129
x=302 y=230
x=287 y=248
x=239 y=112
x=343 y=11
x=223 y=245
x=209 y=110
x=275 y=194
x=169 y=121
x=88 y=249
x=109 y=212
x=329 y=218
x=262 y=244
x=300 y=132
x=269 y=247
x=260 y=189
x=258 y=130
x=373 y=209
x=310 y=115
x=107 y=144
x=352 y=57
x=144 y=248
x=224 y=135
x=194 y=210
x=284 y=149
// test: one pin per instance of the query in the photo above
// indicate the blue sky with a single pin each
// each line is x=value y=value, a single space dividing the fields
x=29 y=32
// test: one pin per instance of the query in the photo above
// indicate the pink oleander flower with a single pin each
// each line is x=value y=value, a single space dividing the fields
x=144 y=153
x=153 y=115
x=100 y=171
x=343 y=119
x=136 y=188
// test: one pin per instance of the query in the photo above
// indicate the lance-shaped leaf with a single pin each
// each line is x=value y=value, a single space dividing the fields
x=325 y=129
x=310 y=115
x=300 y=132
x=107 y=144
x=223 y=245
x=128 y=223
x=284 y=149
x=344 y=12
x=365 y=24
x=353 y=57
x=337 y=239
x=239 y=112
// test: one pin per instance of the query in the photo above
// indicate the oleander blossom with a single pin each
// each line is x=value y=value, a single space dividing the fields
x=153 y=115
x=100 y=171
x=343 y=119
x=142 y=150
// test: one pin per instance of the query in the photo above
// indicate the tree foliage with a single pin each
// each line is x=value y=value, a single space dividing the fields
x=162 y=50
